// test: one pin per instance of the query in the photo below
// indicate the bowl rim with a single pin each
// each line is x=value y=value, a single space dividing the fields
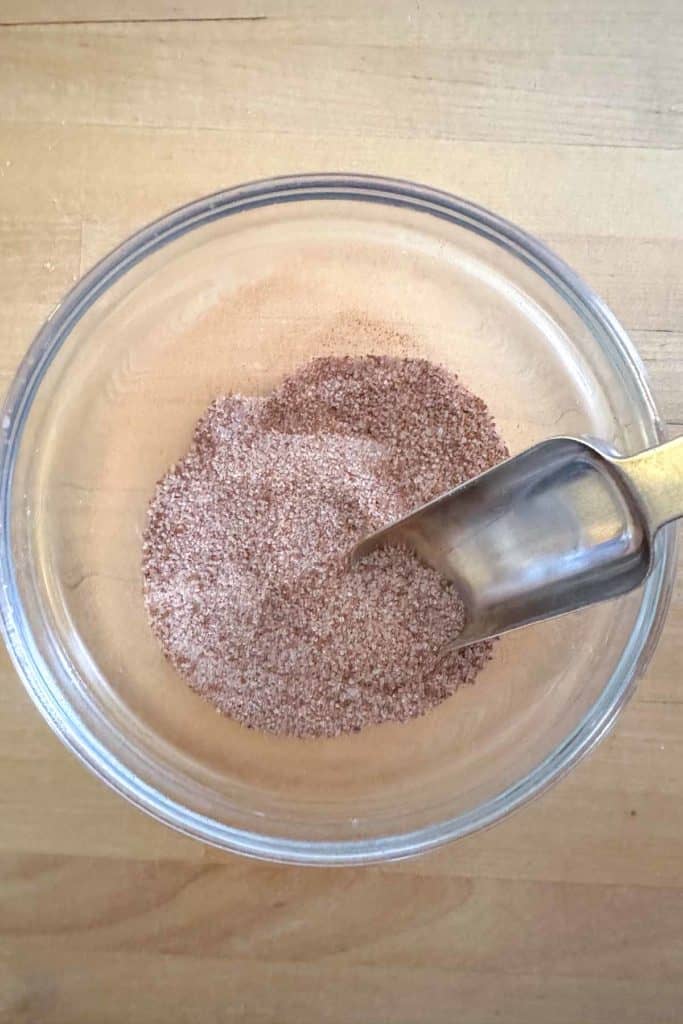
x=40 y=682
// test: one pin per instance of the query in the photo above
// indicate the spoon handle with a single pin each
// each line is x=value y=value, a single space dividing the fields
x=656 y=475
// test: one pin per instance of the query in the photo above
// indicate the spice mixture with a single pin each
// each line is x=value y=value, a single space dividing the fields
x=244 y=558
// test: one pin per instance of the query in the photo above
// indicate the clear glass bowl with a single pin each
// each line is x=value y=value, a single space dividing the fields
x=230 y=293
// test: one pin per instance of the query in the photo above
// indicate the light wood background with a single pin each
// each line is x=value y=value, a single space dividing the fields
x=566 y=117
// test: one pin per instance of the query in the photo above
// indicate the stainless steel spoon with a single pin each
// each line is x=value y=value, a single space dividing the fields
x=560 y=526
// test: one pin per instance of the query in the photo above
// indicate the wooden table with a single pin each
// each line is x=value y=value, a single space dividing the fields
x=564 y=116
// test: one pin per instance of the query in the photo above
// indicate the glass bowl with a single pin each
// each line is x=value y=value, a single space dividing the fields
x=230 y=293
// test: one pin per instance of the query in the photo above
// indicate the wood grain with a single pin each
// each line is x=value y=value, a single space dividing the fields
x=566 y=117
x=467 y=74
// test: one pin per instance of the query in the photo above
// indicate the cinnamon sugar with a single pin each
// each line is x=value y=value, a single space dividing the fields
x=244 y=568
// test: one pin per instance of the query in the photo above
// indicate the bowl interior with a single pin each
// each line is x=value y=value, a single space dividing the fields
x=232 y=305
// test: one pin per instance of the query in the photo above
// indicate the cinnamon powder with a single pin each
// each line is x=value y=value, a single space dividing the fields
x=244 y=570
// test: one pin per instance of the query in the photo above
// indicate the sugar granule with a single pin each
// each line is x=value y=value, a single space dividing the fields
x=244 y=569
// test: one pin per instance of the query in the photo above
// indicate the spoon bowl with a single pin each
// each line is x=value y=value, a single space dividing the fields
x=563 y=525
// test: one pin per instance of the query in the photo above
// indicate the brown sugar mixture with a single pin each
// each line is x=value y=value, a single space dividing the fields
x=244 y=568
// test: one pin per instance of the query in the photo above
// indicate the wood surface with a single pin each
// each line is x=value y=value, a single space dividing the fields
x=566 y=117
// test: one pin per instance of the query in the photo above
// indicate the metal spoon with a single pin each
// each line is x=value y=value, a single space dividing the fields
x=560 y=526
